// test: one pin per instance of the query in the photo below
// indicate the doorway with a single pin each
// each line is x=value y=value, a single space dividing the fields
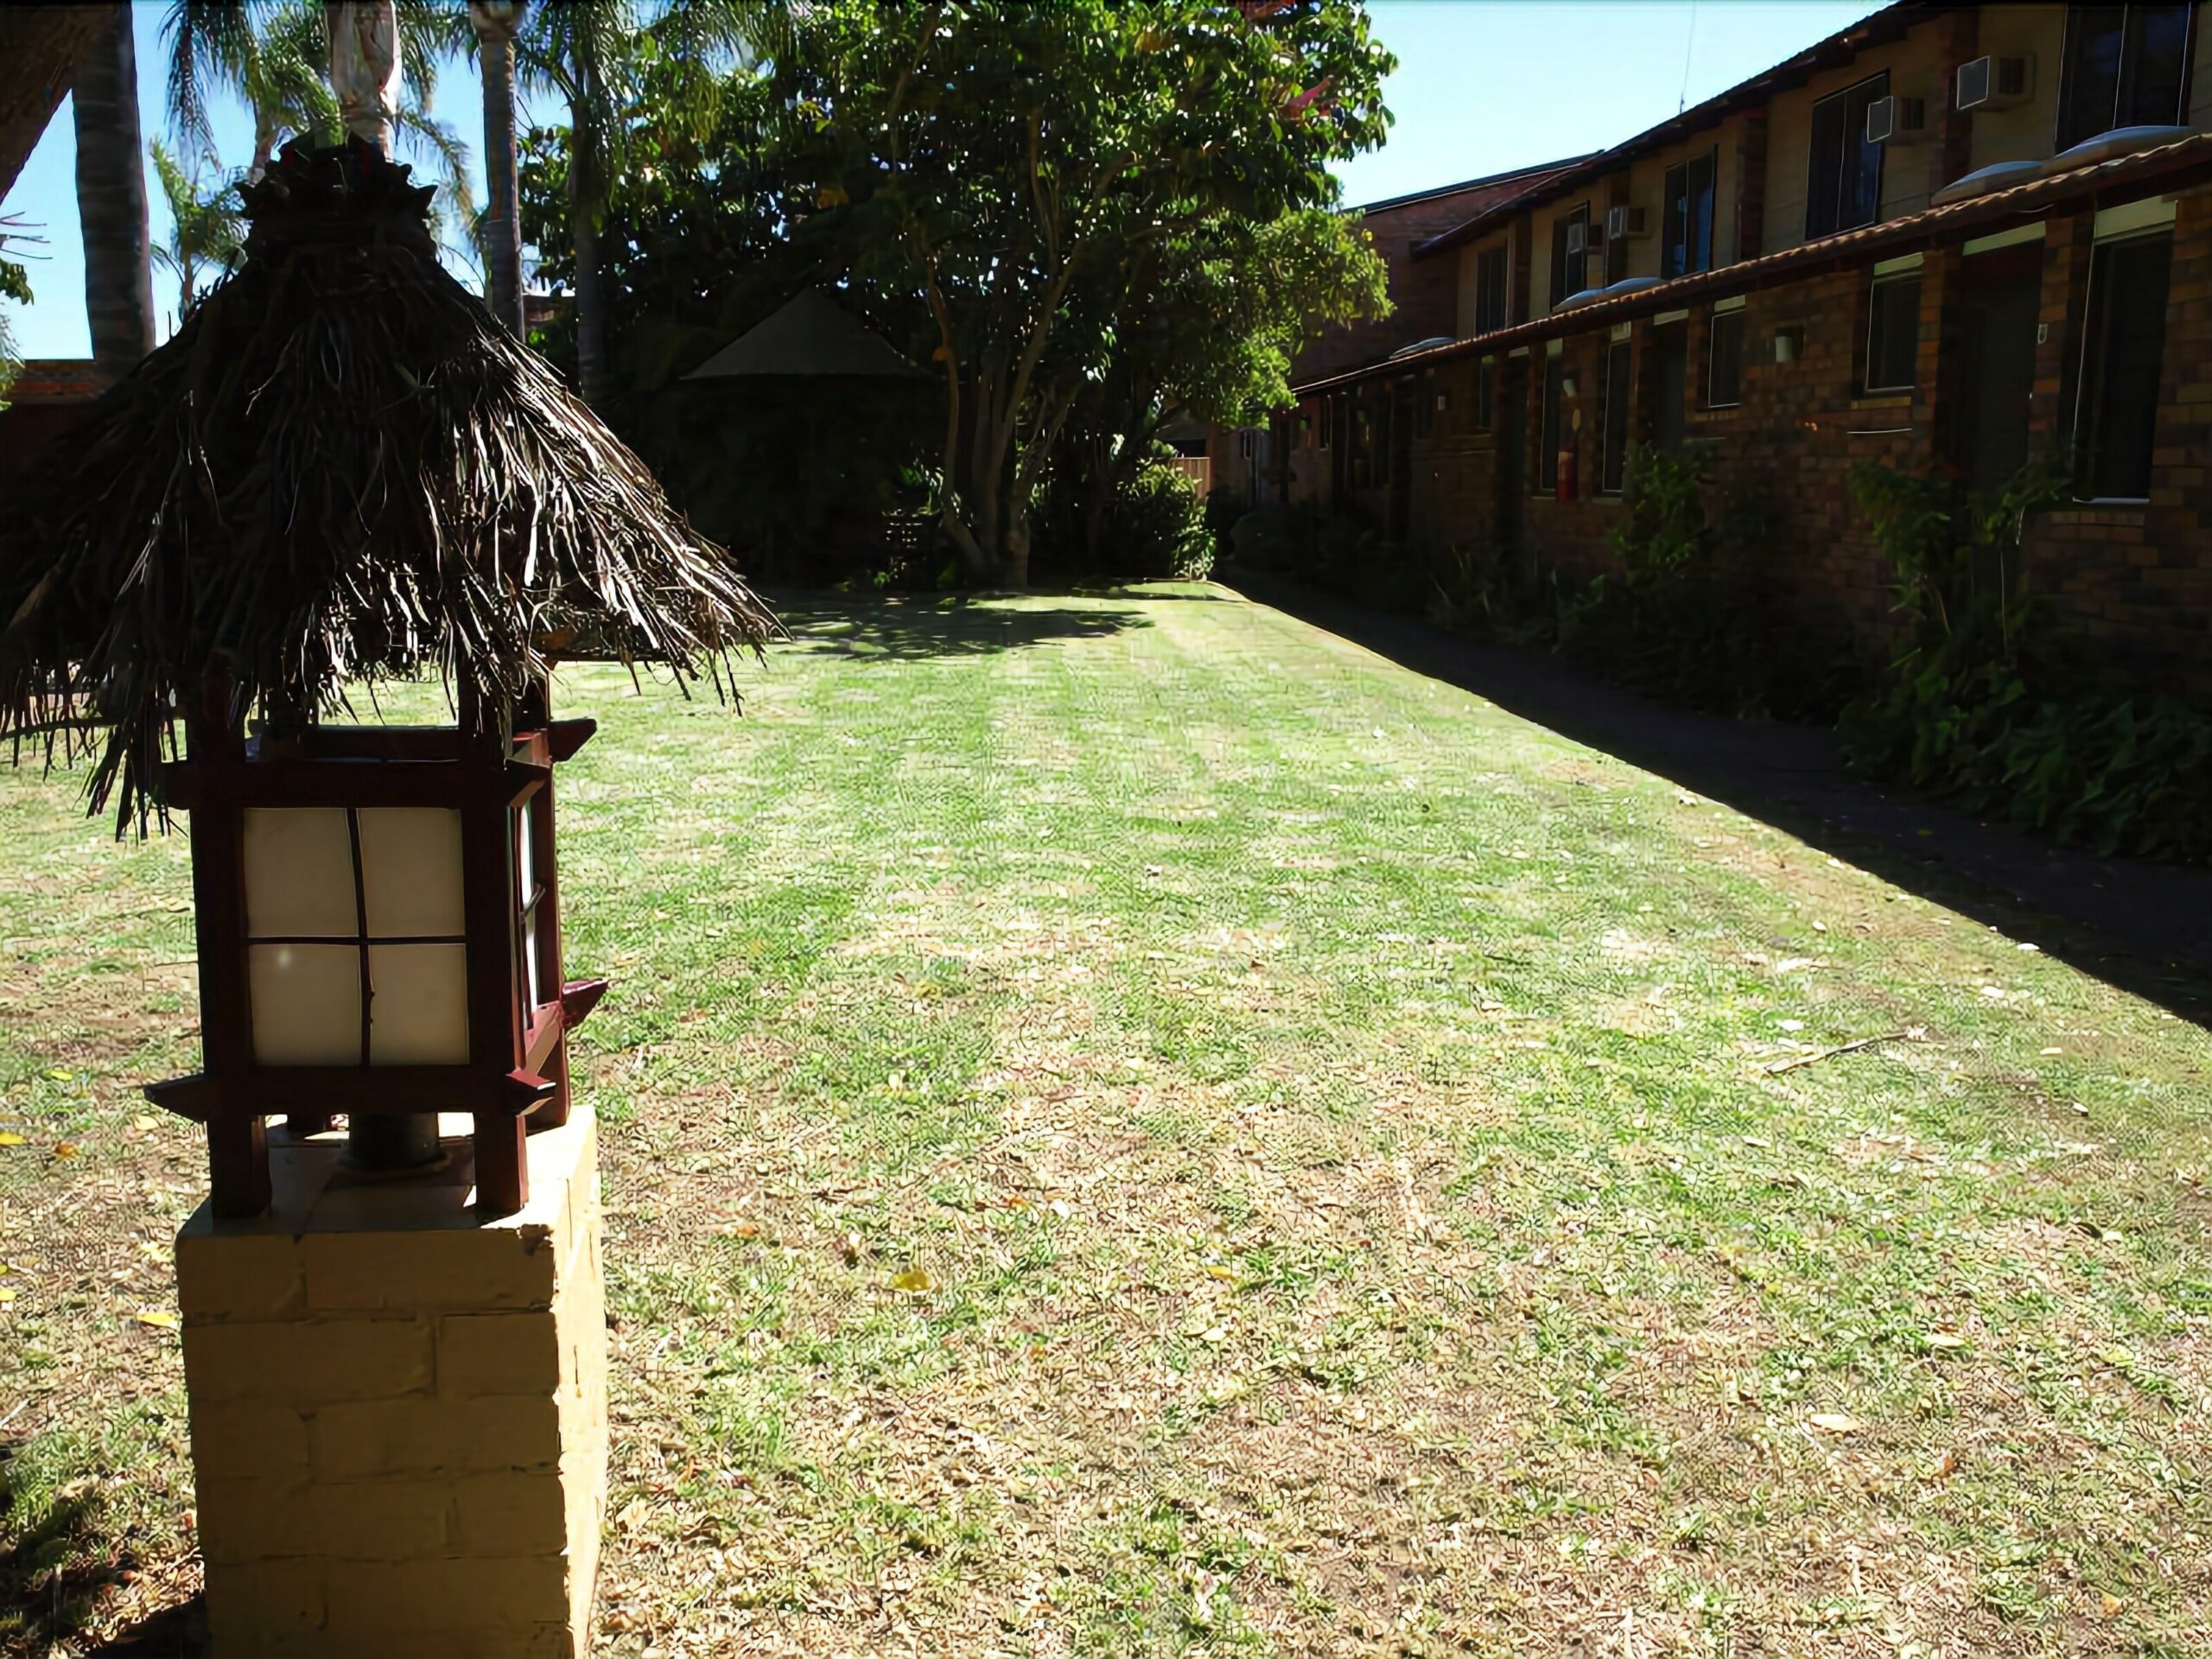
x=1671 y=385
x=1999 y=299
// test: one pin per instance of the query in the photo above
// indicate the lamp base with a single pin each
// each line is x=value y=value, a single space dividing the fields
x=393 y=1144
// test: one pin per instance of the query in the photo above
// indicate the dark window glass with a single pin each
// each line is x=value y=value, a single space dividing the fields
x=1618 y=375
x=1686 y=222
x=1485 y=394
x=1569 y=270
x=1425 y=404
x=2124 y=66
x=1491 y=276
x=1669 y=367
x=2122 y=356
x=1844 y=188
x=1893 y=334
x=1724 y=372
x=1547 y=430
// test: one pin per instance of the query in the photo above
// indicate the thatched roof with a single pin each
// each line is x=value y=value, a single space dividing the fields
x=809 y=336
x=340 y=468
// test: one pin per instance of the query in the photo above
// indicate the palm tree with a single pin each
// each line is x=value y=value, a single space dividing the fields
x=111 y=195
x=591 y=54
x=275 y=55
x=206 y=228
x=495 y=22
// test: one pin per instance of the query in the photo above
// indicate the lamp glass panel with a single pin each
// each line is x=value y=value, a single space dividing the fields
x=410 y=871
x=307 y=1004
x=530 y=970
x=525 y=857
x=299 y=872
x=419 y=1014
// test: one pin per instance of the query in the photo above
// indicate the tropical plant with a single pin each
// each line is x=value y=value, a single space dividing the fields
x=275 y=56
x=206 y=228
x=1030 y=169
x=14 y=284
x=596 y=56
x=111 y=195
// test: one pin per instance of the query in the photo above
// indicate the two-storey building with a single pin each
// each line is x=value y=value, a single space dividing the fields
x=1948 y=235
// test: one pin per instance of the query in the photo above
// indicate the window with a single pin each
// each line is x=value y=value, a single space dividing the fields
x=1485 y=394
x=1724 y=370
x=1425 y=404
x=1893 y=333
x=1492 y=275
x=2124 y=66
x=1844 y=188
x=2122 y=354
x=1688 y=227
x=1549 y=429
x=1617 y=374
x=1570 y=269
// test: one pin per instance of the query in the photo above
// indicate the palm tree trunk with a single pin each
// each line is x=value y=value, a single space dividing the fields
x=111 y=196
x=495 y=27
x=591 y=281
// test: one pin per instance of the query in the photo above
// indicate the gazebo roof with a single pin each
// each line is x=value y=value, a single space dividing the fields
x=810 y=335
x=339 y=469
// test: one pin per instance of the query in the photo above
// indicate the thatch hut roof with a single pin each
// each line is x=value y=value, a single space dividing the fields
x=808 y=337
x=340 y=468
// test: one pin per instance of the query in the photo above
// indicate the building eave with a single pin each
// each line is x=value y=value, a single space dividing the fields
x=2182 y=165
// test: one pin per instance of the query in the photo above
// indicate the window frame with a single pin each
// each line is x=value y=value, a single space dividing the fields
x=2074 y=18
x=1501 y=289
x=1732 y=319
x=1670 y=196
x=1618 y=420
x=2085 y=405
x=1867 y=384
x=1881 y=78
x=1551 y=422
x=1560 y=290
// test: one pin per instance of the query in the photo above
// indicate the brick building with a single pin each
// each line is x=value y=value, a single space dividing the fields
x=1424 y=306
x=1947 y=234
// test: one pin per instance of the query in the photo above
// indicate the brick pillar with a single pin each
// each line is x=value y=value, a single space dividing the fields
x=1935 y=379
x=1750 y=184
x=399 y=1412
x=1950 y=147
x=2066 y=249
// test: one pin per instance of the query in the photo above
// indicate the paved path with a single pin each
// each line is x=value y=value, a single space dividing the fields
x=2145 y=925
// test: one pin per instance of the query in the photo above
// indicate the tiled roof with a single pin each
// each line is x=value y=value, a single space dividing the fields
x=2186 y=161
x=60 y=380
x=1534 y=175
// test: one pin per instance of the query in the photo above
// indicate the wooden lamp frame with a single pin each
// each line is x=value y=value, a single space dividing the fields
x=516 y=1077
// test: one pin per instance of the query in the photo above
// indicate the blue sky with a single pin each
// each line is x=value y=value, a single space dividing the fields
x=1483 y=85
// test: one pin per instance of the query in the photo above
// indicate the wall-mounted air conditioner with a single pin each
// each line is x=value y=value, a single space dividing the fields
x=1996 y=82
x=1895 y=120
x=1621 y=223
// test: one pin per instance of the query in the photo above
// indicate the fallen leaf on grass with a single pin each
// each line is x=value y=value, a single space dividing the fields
x=1835 y=1423
x=1215 y=1270
x=7 y=1294
x=9 y=1138
x=159 y=1320
x=915 y=1280
x=2109 y=1603
x=66 y=1149
x=1945 y=1339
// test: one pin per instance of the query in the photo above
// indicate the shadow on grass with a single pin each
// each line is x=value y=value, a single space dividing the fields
x=2138 y=926
x=912 y=626
x=53 y=1575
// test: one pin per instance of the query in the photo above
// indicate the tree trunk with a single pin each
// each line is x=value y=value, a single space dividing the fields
x=111 y=196
x=591 y=284
x=502 y=214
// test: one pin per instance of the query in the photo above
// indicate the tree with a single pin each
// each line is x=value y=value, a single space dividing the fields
x=495 y=22
x=594 y=55
x=275 y=56
x=207 y=230
x=1030 y=169
x=111 y=195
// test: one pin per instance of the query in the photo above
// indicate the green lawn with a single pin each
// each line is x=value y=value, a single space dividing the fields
x=1134 y=1126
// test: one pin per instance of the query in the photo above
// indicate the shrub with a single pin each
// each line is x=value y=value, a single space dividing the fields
x=1981 y=704
x=1158 y=527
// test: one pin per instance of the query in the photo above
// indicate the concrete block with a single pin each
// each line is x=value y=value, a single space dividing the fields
x=512 y=1515
x=237 y=1441
x=247 y=1277
x=510 y=1267
x=502 y=1593
x=488 y=1434
x=309 y=1362
x=498 y=1353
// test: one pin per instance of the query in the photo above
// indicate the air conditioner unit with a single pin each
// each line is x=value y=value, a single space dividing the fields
x=1577 y=240
x=1621 y=223
x=1896 y=120
x=1996 y=82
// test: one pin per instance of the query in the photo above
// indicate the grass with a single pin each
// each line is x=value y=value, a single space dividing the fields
x=1134 y=1127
